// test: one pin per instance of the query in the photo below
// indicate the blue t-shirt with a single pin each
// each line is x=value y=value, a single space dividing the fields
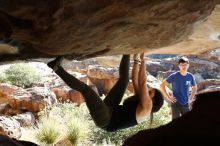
x=181 y=85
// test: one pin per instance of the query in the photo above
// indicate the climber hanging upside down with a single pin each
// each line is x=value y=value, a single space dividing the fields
x=108 y=114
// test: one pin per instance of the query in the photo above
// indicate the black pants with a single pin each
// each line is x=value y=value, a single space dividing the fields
x=178 y=110
x=101 y=111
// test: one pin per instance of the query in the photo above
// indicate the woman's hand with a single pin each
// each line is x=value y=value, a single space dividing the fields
x=135 y=57
x=142 y=56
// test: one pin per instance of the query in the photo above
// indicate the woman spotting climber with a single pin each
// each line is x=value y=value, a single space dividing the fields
x=108 y=114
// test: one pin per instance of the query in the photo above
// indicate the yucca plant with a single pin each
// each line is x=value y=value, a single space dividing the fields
x=49 y=131
x=76 y=131
x=73 y=134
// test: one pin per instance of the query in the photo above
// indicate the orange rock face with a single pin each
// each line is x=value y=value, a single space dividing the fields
x=18 y=100
x=68 y=95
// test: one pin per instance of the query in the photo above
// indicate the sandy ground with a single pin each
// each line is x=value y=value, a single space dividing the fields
x=28 y=134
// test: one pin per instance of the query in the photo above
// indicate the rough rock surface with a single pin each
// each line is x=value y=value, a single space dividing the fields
x=201 y=126
x=25 y=119
x=10 y=127
x=16 y=100
x=68 y=96
x=164 y=67
x=84 y=28
x=6 y=141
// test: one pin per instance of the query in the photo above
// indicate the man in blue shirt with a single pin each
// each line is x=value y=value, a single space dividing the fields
x=182 y=81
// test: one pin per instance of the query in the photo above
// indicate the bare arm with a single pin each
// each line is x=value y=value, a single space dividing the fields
x=145 y=105
x=167 y=96
x=135 y=71
x=193 y=93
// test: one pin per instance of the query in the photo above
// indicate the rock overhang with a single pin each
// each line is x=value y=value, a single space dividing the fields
x=84 y=28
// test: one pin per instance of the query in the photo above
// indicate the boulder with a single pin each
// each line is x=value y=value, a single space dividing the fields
x=20 y=100
x=206 y=83
x=25 y=119
x=10 y=127
x=200 y=126
x=68 y=95
x=7 y=141
x=84 y=29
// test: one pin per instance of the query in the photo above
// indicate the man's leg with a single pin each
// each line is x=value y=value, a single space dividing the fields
x=175 y=111
x=184 y=109
x=98 y=109
x=115 y=95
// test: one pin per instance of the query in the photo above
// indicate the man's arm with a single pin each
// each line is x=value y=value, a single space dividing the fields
x=193 y=93
x=167 y=96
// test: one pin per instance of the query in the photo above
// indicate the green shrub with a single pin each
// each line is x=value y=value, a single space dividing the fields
x=76 y=121
x=116 y=138
x=73 y=133
x=3 y=78
x=83 y=131
x=22 y=75
x=49 y=131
